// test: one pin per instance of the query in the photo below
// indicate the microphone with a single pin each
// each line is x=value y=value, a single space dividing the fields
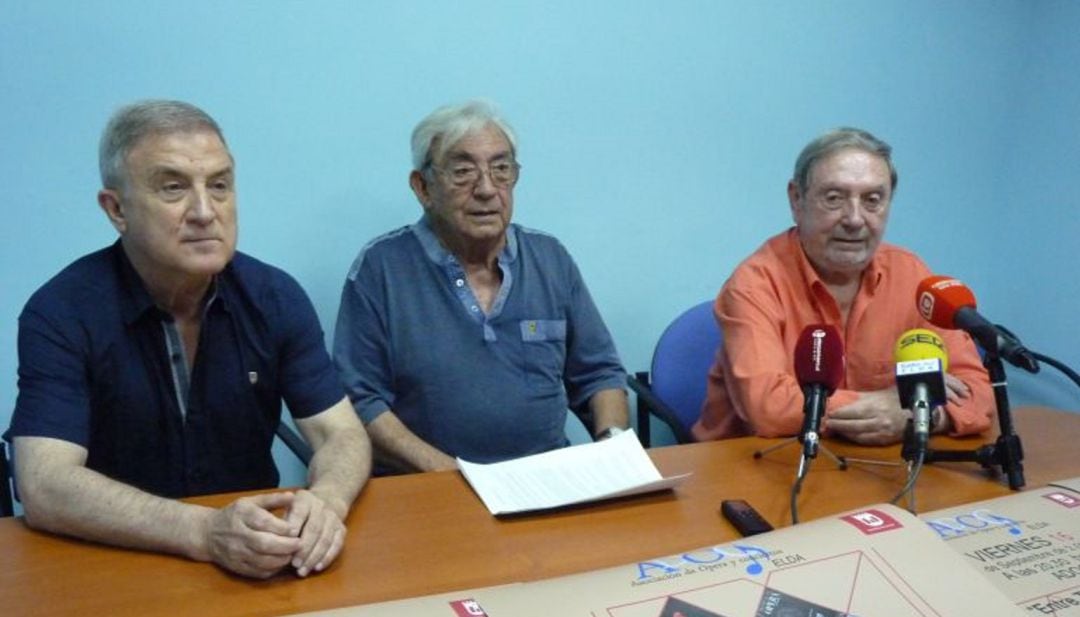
x=921 y=362
x=819 y=368
x=948 y=303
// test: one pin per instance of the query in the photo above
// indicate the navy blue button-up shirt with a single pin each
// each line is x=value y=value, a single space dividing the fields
x=94 y=369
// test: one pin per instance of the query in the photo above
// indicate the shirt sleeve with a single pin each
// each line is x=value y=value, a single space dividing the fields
x=309 y=383
x=592 y=363
x=361 y=347
x=54 y=390
x=974 y=414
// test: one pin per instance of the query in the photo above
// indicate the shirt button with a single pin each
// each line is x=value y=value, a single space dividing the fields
x=474 y=308
x=460 y=282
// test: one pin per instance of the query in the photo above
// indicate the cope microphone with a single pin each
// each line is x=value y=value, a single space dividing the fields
x=948 y=303
x=819 y=368
x=921 y=362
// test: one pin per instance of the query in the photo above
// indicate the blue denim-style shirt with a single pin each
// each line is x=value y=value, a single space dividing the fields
x=411 y=338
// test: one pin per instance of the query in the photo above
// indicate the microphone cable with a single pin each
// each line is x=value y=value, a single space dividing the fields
x=804 y=466
x=1068 y=372
x=913 y=476
x=1060 y=366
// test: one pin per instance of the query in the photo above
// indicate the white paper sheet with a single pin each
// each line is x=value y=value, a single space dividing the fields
x=614 y=467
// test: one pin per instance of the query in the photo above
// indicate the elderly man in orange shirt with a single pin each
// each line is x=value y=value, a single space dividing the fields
x=832 y=268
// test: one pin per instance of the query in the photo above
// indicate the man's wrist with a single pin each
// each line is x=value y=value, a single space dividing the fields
x=199 y=525
x=332 y=502
x=608 y=433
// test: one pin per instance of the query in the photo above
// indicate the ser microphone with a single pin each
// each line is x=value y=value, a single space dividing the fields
x=819 y=368
x=921 y=362
x=948 y=303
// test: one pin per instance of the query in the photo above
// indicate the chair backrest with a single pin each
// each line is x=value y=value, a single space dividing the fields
x=681 y=361
x=7 y=506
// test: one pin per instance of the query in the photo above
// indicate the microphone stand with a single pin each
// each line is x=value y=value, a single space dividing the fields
x=809 y=437
x=841 y=461
x=811 y=445
x=811 y=452
x=1006 y=452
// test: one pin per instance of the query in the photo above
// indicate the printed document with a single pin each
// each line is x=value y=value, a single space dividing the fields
x=615 y=467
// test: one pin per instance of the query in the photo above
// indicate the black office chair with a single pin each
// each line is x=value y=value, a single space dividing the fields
x=674 y=390
x=7 y=504
x=295 y=443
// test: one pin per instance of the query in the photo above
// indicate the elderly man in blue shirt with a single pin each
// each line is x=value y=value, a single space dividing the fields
x=155 y=368
x=464 y=334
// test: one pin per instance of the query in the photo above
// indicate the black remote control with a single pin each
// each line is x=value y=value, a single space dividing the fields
x=744 y=517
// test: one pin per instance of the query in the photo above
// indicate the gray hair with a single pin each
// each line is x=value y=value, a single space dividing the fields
x=445 y=126
x=129 y=124
x=835 y=140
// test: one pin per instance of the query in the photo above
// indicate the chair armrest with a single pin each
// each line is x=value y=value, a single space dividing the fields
x=7 y=505
x=295 y=443
x=648 y=403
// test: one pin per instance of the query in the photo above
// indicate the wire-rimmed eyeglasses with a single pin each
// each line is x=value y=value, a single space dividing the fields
x=463 y=174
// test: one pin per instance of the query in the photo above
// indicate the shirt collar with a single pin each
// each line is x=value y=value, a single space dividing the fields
x=438 y=254
x=137 y=301
x=873 y=273
x=871 y=276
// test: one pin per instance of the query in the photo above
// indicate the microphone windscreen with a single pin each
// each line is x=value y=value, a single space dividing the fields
x=819 y=357
x=939 y=297
x=921 y=344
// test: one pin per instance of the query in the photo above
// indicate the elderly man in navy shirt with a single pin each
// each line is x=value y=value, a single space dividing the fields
x=466 y=335
x=155 y=369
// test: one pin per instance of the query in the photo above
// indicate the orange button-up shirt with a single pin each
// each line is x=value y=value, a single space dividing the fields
x=762 y=310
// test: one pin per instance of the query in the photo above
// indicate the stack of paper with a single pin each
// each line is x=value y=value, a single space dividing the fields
x=614 y=467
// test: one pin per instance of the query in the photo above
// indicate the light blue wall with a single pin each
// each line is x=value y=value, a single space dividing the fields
x=656 y=137
x=1032 y=284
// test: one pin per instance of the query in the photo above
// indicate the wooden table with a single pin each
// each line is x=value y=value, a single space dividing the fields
x=428 y=533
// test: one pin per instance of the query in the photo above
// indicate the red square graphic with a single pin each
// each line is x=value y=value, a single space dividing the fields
x=872 y=521
x=1069 y=501
x=468 y=608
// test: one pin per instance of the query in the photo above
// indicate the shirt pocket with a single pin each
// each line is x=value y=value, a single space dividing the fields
x=544 y=343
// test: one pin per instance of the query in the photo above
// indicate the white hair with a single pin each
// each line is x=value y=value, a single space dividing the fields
x=445 y=126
